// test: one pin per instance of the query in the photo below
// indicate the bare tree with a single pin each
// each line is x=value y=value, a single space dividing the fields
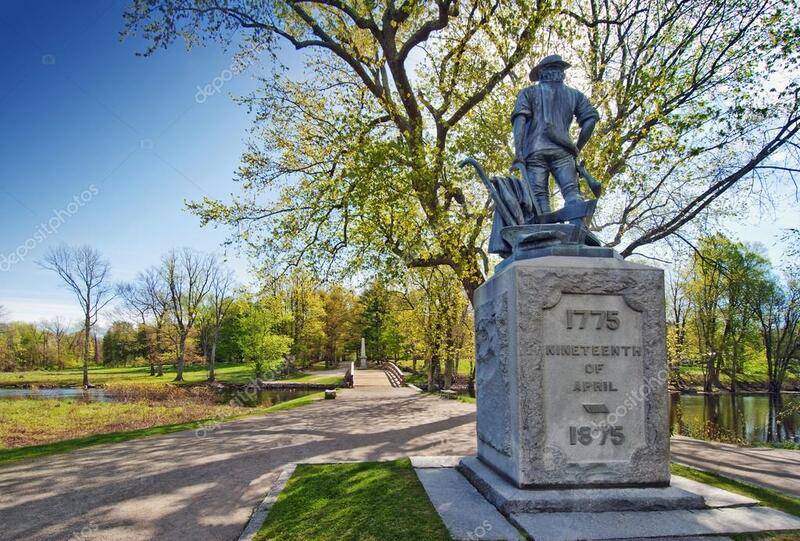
x=158 y=300
x=187 y=276
x=136 y=301
x=3 y=313
x=219 y=302
x=86 y=274
x=58 y=328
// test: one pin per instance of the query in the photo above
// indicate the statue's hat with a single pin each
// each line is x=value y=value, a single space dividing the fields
x=551 y=60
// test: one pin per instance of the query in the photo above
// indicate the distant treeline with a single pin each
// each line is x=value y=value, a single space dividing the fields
x=734 y=319
x=290 y=323
x=46 y=345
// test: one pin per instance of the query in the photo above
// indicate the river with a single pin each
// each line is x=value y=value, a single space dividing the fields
x=744 y=418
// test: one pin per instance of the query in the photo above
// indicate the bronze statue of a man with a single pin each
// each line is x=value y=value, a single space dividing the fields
x=541 y=120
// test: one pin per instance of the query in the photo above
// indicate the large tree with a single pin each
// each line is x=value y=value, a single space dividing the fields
x=187 y=277
x=776 y=304
x=363 y=146
x=86 y=274
x=220 y=300
x=723 y=278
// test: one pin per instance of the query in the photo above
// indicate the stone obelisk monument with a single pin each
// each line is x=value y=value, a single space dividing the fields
x=363 y=357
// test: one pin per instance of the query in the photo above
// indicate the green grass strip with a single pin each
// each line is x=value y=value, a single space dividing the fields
x=770 y=498
x=364 y=501
x=65 y=446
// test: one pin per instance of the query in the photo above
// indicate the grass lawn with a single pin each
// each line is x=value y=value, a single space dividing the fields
x=107 y=422
x=365 y=501
x=73 y=377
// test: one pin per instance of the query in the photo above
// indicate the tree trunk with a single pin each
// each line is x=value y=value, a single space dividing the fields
x=160 y=371
x=711 y=374
x=181 y=357
x=434 y=371
x=471 y=381
x=448 y=372
x=152 y=368
x=211 y=361
x=87 y=325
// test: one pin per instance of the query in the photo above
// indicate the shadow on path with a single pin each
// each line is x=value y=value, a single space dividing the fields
x=183 y=486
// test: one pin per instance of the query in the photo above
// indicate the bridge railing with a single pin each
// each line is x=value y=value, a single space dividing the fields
x=394 y=373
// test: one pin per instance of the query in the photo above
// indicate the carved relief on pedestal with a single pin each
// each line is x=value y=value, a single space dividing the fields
x=492 y=350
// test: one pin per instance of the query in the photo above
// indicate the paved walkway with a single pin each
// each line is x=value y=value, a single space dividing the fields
x=778 y=469
x=184 y=486
x=371 y=378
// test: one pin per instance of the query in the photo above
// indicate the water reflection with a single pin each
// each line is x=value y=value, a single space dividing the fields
x=739 y=419
x=78 y=393
x=248 y=398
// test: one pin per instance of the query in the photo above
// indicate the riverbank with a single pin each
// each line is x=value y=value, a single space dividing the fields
x=129 y=401
x=100 y=376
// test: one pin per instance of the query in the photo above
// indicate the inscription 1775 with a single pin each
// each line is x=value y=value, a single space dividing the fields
x=608 y=319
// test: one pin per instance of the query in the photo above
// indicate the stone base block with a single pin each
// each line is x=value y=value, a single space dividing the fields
x=510 y=499
x=570 y=250
x=497 y=507
x=653 y=524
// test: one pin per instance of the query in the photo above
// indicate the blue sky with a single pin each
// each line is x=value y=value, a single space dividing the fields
x=80 y=109
x=84 y=117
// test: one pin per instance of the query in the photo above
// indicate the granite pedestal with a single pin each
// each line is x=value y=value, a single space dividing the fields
x=571 y=374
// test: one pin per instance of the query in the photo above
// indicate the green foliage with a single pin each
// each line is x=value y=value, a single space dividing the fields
x=377 y=321
x=258 y=333
x=123 y=343
x=366 y=500
x=697 y=98
x=26 y=346
x=341 y=325
x=723 y=277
